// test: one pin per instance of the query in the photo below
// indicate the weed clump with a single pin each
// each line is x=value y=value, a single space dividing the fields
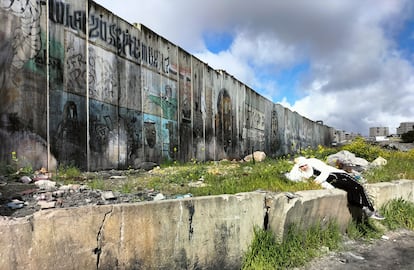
x=298 y=247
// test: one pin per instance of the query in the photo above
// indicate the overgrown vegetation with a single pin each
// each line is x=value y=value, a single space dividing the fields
x=301 y=246
x=298 y=247
x=14 y=168
x=399 y=214
x=364 y=230
x=225 y=177
x=408 y=137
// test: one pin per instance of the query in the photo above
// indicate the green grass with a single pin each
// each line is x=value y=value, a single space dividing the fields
x=298 y=247
x=223 y=178
x=230 y=178
x=301 y=246
x=97 y=183
x=400 y=165
x=399 y=214
x=67 y=174
x=364 y=230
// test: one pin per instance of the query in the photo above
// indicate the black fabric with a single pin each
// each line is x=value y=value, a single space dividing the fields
x=316 y=172
x=355 y=191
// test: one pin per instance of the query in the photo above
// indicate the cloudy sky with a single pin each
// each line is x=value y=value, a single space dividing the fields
x=348 y=63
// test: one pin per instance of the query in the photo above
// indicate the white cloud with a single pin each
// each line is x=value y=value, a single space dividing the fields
x=358 y=77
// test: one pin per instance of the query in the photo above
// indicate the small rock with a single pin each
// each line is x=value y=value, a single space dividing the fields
x=384 y=237
x=197 y=184
x=258 y=156
x=159 y=197
x=40 y=177
x=45 y=184
x=25 y=179
x=379 y=161
x=108 y=195
x=118 y=177
x=354 y=256
x=58 y=193
x=75 y=187
x=43 y=196
x=46 y=204
x=64 y=188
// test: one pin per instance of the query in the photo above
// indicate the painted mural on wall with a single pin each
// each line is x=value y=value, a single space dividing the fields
x=224 y=122
x=119 y=95
x=22 y=125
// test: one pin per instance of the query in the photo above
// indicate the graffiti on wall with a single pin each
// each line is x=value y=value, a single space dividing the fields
x=75 y=64
x=103 y=85
x=20 y=41
x=148 y=99
x=69 y=138
x=185 y=93
x=275 y=141
x=122 y=40
x=224 y=120
x=167 y=102
x=26 y=41
x=160 y=121
x=199 y=115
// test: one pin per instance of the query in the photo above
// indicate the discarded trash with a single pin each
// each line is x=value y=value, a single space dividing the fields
x=384 y=237
x=15 y=204
x=159 y=197
x=188 y=195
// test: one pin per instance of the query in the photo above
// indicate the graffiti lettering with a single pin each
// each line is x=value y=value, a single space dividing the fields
x=60 y=13
x=54 y=62
x=76 y=71
x=124 y=43
x=98 y=28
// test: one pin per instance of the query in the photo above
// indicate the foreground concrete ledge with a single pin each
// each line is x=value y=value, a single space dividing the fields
x=386 y=191
x=306 y=208
x=211 y=232
x=202 y=232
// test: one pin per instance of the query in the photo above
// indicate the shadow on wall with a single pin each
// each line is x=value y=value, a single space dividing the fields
x=23 y=148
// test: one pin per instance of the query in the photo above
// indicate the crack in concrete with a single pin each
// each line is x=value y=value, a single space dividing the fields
x=98 y=249
x=266 y=214
x=191 y=211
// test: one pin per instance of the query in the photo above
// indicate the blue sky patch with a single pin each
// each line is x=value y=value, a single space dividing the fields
x=217 y=42
x=405 y=39
x=287 y=81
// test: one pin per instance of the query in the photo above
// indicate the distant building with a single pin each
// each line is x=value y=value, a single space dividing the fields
x=405 y=127
x=341 y=136
x=379 y=131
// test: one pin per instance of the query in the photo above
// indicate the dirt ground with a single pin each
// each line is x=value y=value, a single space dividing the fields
x=394 y=251
x=72 y=196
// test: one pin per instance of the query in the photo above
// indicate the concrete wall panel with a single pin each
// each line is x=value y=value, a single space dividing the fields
x=199 y=110
x=137 y=96
x=209 y=75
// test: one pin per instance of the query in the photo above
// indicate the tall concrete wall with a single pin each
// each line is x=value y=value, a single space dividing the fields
x=123 y=94
x=193 y=233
